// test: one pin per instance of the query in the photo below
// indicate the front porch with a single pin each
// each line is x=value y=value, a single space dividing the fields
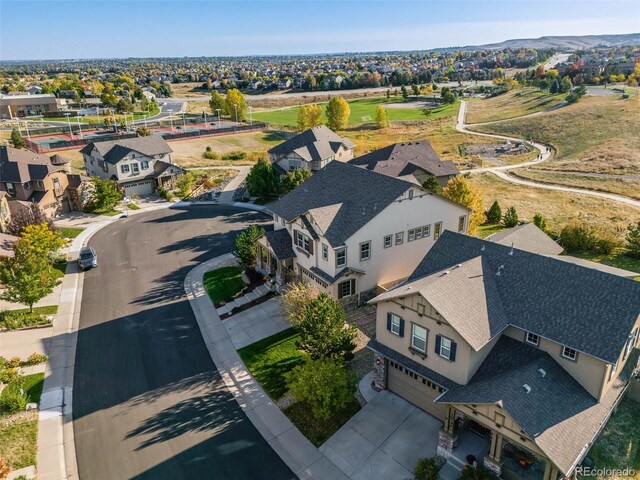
x=274 y=258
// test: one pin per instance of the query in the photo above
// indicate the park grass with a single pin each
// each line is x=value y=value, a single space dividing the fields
x=628 y=187
x=598 y=134
x=559 y=208
x=32 y=385
x=69 y=232
x=223 y=284
x=618 y=446
x=516 y=103
x=617 y=259
x=487 y=229
x=19 y=439
x=270 y=358
x=363 y=111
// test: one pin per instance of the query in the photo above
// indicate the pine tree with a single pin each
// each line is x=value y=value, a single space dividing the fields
x=510 y=219
x=494 y=215
x=633 y=240
x=17 y=140
x=432 y=184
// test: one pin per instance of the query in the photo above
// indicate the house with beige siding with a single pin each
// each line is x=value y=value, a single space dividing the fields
x=311 y=150
x=349 y=231
x=522 y=355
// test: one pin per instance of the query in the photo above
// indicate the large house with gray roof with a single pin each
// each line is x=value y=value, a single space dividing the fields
x=349 y=231
x=411 y=161
x=522 y=356
x=140 y=165
x=311 y=150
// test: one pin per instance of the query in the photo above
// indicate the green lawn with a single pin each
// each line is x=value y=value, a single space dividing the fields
x=269 y=359
x=618 y=260
x=20 y=318
x=69 y=232
x=19 y=442
x=108 y=213
x=222 y=284
x=363 y=111
x=32 y=385
x=133 y=206
x=487 y=229
x=316 y=431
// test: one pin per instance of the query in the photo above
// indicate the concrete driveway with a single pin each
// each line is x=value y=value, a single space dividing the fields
x=256 y=323
x=383 y=440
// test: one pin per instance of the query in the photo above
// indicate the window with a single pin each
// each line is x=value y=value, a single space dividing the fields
x=124 y=168
x=347 y=288
x=388 y=241
x=411 y=235
x=418 y=233
x=341 y=257
x=419 y=338
x=295 y=164
x=56 y=183
x=461 y=223
x=303 y=242
x=325 y=252
x=395 y=324
x=399 y=238
x=569 y=353
x=532 y=338
x=135 y=168
x=26 y=186
x=10 y=188
x=365 y=250
x=437 y=230
x=426 y=230
x=446 y=348
x=145 y=164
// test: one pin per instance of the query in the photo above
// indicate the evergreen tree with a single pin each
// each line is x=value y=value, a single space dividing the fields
x=245 y=245
x=510 y=219
x=540 y=222
x=432 y=184
x=633 y=240
x=262 y=180
x=494 y=214
x=17 y=140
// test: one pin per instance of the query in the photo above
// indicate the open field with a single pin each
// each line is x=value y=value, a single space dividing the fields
x=629 y=187
x=559 y=208
x=599 y=134
x=518 y=102
x=363 y=111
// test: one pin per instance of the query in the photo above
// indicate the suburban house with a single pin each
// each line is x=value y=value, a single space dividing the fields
x=28 y=177
x=523 y=357
x=140 y=165
x=311 y=150
x=12 y=106
x=349 y=231
x=411 y=161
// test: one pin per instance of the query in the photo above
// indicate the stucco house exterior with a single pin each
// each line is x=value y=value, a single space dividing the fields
x=411 y=161
x=521 y=351
x=27 y=177
x=349 y=231
x=140 y=165
x=311 y=150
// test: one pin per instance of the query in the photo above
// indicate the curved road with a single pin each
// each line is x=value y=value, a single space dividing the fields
x=461 y=126
x=148 y=402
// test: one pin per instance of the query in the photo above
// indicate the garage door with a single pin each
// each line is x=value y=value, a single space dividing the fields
x=144 y=187
x=418 y=390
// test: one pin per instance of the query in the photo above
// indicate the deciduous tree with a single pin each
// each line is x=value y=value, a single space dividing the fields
x=42 y=241
x=338 y=112
x=25 y=216
x=296 y=299
x=382 y=119
x=235 y=100
x=17 y=140
x=460 y=190
x=217 y=102
x=262 y=180
x=105 y=194
x=309 y=116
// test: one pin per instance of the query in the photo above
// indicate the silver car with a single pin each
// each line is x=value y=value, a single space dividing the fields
x=87 y=258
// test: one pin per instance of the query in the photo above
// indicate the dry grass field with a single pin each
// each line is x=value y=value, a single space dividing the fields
x=558 y=207
x=599 y=134
x=518 y=102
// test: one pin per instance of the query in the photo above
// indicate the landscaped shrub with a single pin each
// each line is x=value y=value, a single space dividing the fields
x=234 y=156
x=167 y=195
x=578 y=237
x=12 y=402
x=36 y=358
x=8 y=375
x=494 y=214
x=295 y=300
x=510 y=218
x=209 y=154
x=476 y=473
x=13 y=320
x=633 y=240
x=14 y=362
x=426 y=469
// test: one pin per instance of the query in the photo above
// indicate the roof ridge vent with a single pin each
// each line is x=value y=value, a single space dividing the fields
x=542 y=372
x=526 y=388
x=446 y=272
x=457 y=266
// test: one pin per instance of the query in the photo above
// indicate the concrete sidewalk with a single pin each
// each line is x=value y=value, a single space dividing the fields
x=256 y=323
x=304 y=459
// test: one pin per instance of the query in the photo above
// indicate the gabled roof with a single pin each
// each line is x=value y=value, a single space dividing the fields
x=20 y=166
x=558 y=414
x=403 y=159
x=354 y=196
x=316 y=143
x=281 y=244
x=115 y=150
x=527 y=237
x=598 y=266
x=585 y=309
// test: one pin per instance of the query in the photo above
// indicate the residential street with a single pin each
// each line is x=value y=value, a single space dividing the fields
x=148 y=402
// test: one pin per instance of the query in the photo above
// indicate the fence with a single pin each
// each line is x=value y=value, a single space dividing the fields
x=59 y=144
x=215 y=132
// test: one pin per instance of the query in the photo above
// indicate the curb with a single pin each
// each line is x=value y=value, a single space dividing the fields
x=300 y=455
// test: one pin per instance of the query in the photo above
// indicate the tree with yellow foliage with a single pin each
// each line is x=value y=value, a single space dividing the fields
x=460 y=190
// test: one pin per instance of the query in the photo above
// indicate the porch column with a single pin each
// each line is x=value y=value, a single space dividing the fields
x=447 y=437
x=547 y=470
x=493 y=461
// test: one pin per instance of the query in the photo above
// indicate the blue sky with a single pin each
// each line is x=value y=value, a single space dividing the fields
x=91 y=29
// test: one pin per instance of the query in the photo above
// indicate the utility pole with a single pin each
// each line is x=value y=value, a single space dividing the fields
x=219 y=122
x=79 y=127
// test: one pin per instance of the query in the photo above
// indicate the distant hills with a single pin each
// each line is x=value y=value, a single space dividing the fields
x=562 y=42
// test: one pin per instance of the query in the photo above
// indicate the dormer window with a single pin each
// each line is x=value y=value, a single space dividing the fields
x=532 y=338
x=569 y=353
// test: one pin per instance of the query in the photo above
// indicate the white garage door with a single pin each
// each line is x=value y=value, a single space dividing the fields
x=418 y=390
x=143 y=187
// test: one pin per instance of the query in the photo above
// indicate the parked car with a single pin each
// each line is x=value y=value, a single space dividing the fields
x=87 y=258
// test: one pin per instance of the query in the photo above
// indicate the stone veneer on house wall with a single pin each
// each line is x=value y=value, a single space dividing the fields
x=379 y=372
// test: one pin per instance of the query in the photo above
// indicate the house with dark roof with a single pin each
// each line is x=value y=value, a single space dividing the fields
x=31 y=178
x=311 y=150
x=140 y=165
x=411 y=161
x=522 y=356
x=348 y=230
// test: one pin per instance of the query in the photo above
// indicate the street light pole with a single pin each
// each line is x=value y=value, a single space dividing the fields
x=69 y=124
x=219 y=122
x=204 y=112
x=250 y=117
x=26 y=126
x=170 y=118
x=79 y=127
x=235 y=107
x=184 y=122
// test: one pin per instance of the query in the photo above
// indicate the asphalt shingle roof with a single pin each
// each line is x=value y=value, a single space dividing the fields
x=527 y=237
x=316 y=143
x=558 y=414
x=583 y=308
x=402 y=159
x=115 y=150
x=20 y=166
x=355 y=196
x=280 y=242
